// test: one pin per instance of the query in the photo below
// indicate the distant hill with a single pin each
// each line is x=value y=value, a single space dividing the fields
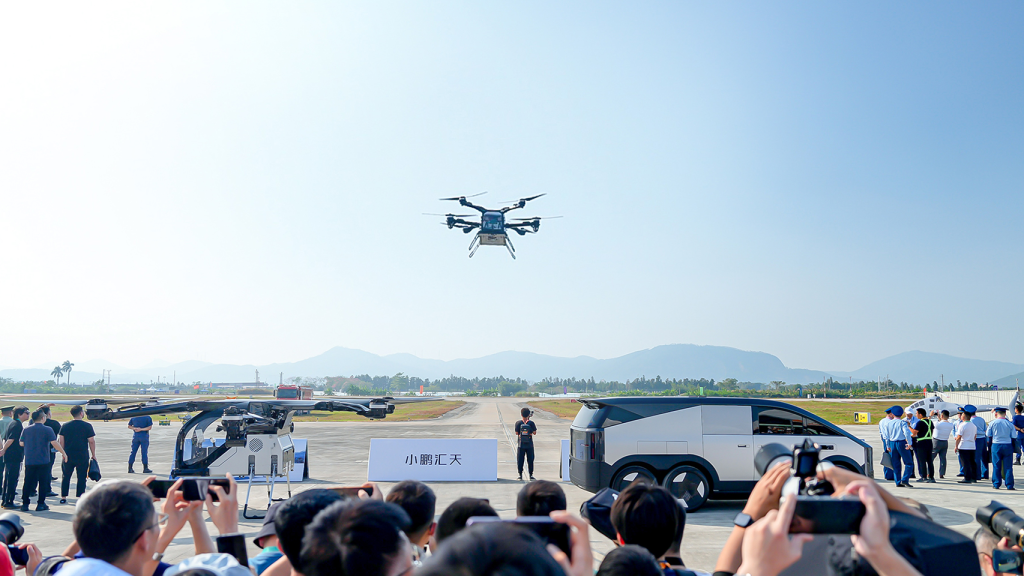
x=918 y=367
x=1010 y=381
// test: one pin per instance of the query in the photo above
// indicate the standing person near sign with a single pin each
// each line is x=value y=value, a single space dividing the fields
x=140 y=425
x=525 y=430
x=883 y=430
x=13 y=453
x=923 y=432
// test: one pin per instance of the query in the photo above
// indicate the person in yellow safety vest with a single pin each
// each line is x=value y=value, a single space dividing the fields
x=923 y=432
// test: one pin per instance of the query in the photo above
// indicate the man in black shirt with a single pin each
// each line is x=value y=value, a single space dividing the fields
x=923 y=432
x=55 y=426
x=79 y=441
x=13 y=454
x=525 y=430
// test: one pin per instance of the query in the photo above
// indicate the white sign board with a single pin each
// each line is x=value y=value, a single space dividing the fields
x=440 y=460
x=565 y=461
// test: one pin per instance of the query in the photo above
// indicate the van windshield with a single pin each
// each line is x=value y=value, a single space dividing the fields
x=602 y=417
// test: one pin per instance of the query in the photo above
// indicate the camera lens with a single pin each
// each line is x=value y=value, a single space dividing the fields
x=1001 y=520
x=769 y=455
x=10 y=528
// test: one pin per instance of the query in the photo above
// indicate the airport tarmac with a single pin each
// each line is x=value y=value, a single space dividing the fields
x=338 y=457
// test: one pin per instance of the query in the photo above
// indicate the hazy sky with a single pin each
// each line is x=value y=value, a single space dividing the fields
x=242 y=182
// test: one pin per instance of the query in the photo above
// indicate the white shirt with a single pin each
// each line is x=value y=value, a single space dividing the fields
x=943 y=429
x=91 y=567
x=967 y=432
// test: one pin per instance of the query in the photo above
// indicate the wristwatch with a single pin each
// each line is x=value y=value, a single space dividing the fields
x=743 y=520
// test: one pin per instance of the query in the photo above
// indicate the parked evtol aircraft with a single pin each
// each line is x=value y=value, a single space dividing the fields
x=696 y=447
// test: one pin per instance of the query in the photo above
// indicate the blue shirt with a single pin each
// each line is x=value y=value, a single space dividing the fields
x=901 y=431
x=37 y=438
x=141 y=422
x=979 y=423
x=883 y=429
x=1018 y=421
x=264 y=559
x=1000 y=431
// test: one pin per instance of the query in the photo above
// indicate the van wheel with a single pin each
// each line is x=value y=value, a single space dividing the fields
x=689 y=486
x=631 y=474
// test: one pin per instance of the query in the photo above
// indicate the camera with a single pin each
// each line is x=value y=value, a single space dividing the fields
x=817 y=512
x=1005 y=524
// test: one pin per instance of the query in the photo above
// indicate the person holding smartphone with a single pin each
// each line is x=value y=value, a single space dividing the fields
x=525 y=431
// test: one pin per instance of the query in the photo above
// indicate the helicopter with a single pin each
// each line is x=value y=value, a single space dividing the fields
x=493 y=227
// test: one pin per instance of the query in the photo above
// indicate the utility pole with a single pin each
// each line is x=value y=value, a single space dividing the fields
x=280 y=381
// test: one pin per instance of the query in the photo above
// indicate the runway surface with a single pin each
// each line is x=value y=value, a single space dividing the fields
x=338 y=457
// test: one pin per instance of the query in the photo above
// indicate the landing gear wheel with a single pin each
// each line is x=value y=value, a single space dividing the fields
x=688 y=485
x=631 y=474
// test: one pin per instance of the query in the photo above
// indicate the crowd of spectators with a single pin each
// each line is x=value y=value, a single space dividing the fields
x=119 y=529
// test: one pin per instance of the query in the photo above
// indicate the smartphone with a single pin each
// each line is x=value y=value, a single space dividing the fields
x=827 y=515
x=192 y=488
x=549 y=531
x=353 y=491
x=233 y=544
x=18 y=555
x=1007 y=561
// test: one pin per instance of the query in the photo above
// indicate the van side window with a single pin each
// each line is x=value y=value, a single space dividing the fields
x=775 y=421
x=813 y=428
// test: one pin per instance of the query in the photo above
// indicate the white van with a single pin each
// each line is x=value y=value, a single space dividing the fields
x=696 y=447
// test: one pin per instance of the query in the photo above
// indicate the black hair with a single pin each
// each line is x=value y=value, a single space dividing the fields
x=38 y=415
x=293 y=516
x=455 y=515
x=945 y=413
x=20 y=410
x=646 y=515
x=352 y=537
x=45 y=409
x=1018 y=407
x=111 y=519
x=630 y=560
x=540 y=498
x=418 y=501
x=492 y=549
x=922 y=412
x=525 y=411
x=76 y=410
x=680 y=528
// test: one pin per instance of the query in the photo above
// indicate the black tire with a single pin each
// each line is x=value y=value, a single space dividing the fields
x=689 y=485
x=631 y=474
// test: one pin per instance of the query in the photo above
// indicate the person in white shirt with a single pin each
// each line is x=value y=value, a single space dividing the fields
x=965 y=437
x=943 y=431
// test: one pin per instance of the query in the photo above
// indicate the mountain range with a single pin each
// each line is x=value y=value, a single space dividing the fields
x=669 y=361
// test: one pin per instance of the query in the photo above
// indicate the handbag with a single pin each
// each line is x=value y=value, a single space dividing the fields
x=94 y=470
x=886 y=460
x=598 y=510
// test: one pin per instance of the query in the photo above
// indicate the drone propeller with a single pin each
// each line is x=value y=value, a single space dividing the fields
x=452 y=215
x=456 y=198
x=524 y=199
x=537 y=218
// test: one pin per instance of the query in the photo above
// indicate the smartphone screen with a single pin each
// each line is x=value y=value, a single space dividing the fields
x=353 y=491
x=159 y=488
x=18 y=555
x=233 y=544
x=826 y=515
x=192 y=488
x=550 y=532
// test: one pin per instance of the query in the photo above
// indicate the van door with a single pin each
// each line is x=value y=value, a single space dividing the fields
x=728 y=441
x=777 y=425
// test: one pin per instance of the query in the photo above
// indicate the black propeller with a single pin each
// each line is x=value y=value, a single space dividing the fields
x=537 y=218
x=452 y=215
x=524 y=199
x=456 y=198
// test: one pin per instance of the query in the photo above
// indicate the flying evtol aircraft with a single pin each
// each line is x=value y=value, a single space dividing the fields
x=257 y=431
x=493 y=228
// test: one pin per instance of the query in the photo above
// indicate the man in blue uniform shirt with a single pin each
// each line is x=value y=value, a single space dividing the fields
x=899 y=448
x=981 y=451
x=140 y=425
x=883 y=431
x=1000 y=433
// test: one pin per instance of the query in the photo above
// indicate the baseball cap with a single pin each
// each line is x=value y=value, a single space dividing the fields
x=968 y=408
x=268 y=525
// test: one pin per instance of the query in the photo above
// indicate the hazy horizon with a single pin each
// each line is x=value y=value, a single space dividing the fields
x=243 y=183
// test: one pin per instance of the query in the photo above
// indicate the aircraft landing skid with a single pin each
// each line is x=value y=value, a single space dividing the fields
x=270 y=491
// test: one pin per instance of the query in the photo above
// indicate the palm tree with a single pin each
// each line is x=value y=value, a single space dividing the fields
x=57 y=373
x=67 y=369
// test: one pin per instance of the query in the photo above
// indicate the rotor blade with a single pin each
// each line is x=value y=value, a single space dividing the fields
x=452 y=215
x=524 y=199
x=537 y=218
x=461 y=197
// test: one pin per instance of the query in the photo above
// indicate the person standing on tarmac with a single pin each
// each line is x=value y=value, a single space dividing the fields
x=140 y=425
x=923 y=432
x=525 y=430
